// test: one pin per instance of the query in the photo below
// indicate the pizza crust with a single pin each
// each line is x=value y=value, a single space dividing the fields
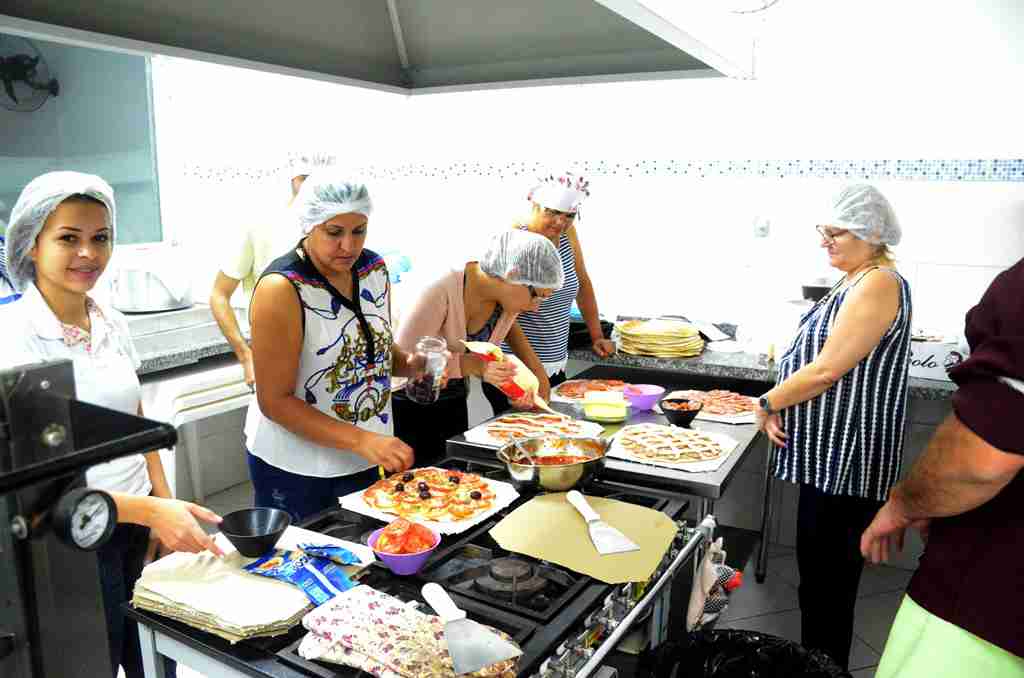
x=431 y=494
x=673 y=447
x=518 y=425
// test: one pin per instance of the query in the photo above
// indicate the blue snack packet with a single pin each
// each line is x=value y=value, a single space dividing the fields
x=338 y=554
x=319 y=578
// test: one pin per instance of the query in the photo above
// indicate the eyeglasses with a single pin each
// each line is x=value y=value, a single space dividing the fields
x=559 y=214
x=829 y=236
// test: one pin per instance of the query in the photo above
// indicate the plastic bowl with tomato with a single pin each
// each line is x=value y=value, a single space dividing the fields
x=404 y=546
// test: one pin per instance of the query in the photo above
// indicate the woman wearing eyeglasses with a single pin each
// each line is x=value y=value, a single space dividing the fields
x=555 y=205
x=477 y=301
x=837 y=412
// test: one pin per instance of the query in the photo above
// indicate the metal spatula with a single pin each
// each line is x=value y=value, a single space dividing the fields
x=607 y=540
x=471 y=646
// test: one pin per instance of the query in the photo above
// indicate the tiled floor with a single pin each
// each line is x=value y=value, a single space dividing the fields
x=772 y=607
x=231 y=499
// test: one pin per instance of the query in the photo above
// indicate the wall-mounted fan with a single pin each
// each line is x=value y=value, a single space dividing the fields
x=26 y=77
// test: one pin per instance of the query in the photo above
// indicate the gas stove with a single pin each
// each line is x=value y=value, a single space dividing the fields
x=557 y=616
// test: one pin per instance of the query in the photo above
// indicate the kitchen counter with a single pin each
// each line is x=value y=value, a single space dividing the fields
x=188 y=353
x=175 y=338
x=746 y=366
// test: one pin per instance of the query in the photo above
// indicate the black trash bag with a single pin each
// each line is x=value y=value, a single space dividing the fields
x=740 y=654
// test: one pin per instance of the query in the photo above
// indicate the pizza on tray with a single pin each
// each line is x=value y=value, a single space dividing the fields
x=667 y=444
x=719 y=401
x=575 y=389
x=530 y=424
x=436 y=494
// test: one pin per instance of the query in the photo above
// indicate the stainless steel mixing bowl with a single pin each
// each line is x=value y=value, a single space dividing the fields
x=553 y=477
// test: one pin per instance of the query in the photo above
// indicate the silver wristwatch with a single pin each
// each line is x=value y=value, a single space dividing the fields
x=763 y=403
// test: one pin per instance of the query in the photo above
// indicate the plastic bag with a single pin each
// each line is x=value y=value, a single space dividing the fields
x=741 y=654
x=319 y=578
x=709 y=596
x=337 y=554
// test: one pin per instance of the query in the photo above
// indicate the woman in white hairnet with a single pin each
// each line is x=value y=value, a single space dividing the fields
x=555 y=204
x=837 y=411
x=324 y=357
x=59 y=242
x=477 y=301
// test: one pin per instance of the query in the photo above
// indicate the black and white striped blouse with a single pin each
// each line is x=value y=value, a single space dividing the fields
x=849 y=439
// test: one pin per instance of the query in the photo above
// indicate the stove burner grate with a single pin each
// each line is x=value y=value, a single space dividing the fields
x=511 y=579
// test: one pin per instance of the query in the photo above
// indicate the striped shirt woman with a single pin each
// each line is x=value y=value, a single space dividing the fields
x=836 y=414
x=849 y=439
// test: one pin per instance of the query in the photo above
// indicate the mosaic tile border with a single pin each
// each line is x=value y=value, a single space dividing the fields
x=917 y=170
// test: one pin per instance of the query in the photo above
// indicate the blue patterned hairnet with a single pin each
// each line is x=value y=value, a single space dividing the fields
x=524 y=258
x=325 y=195
x=41 y=197
x=864 y=211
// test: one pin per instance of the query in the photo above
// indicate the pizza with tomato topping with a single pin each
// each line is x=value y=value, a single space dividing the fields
x=441 y=495
x=575 y=389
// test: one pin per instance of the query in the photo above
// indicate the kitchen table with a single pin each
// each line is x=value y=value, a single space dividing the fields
x=707 y=486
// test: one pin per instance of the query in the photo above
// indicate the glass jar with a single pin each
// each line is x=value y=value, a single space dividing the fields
x=430 y=360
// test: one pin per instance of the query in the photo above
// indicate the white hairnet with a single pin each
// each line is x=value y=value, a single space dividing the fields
x=325 y=195
x=304 y=164
x=524 y=258
x=863 y=210
x=39 y=199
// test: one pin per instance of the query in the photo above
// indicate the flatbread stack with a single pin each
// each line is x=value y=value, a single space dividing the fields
x=215 y=595
x=660 y=338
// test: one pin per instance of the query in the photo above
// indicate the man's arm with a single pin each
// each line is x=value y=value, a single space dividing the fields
x=958 y=471
x=220 y=306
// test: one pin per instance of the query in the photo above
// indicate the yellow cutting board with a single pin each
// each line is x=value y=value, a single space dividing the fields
x=549 y=528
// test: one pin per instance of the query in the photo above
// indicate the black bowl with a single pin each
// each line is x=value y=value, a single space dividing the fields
x=679 y=417
x=254 y=531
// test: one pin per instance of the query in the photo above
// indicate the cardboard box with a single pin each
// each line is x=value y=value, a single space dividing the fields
x=932 y=359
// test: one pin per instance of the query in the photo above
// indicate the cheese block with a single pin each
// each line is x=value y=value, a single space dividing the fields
x=604 y=404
